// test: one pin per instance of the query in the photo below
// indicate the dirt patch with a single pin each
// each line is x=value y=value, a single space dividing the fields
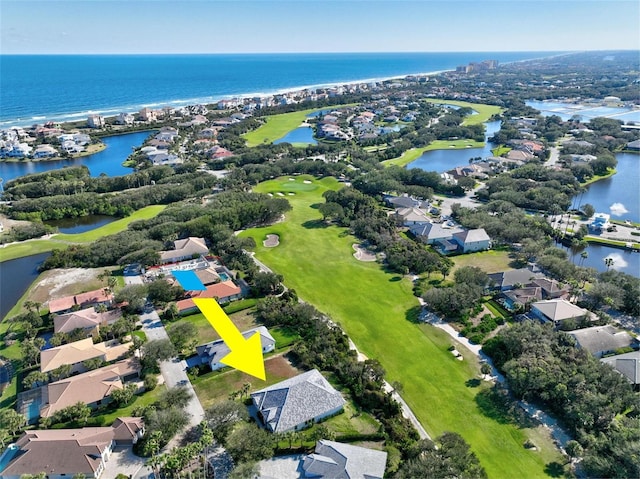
x=8 y=223
x=58 y=283
x=272 y=241
x=280 y=367
x=363 y=254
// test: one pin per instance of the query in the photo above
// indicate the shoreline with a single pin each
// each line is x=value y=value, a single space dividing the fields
x=108 y=111
x=72 y=117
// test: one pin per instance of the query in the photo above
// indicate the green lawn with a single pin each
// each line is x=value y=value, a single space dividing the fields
x=372 y=306
x=61 y=241
x=484 y=111
x=277 y=126
x=492 y=261
x=415 y=153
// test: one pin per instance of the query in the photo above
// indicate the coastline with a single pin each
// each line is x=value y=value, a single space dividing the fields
x=114 y=111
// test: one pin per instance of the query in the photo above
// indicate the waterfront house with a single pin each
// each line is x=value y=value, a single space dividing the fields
x=65 y=453
x=75 y=353
x=81 y=301
x=125 y=119
x=212 y=353
x=147 y=114
x=335 y=460
x=45 y=151
x=599 y=222
x=95 y=121
x=295 y=403
x=223 y=292
x=514 y=278
x=88 y=319
x=602 y=340
x=186 y=248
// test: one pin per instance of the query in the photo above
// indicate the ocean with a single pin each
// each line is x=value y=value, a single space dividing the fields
x=36 y=88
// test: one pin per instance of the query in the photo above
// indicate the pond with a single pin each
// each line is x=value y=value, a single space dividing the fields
x=16 y=276
x=625 y=261
x=108 y=161
x=444 y=160
x=81 y=224
x=303 y=134
x=618 y=195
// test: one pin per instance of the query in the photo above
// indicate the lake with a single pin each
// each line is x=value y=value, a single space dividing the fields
x=625 y=261
x=81 y=224
x=618 y=195
x=16 y=276
x=108 y=161
x=303 y=134
x=444 y=160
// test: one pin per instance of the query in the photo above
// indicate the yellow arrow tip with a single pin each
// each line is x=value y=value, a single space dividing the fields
x=247 y=357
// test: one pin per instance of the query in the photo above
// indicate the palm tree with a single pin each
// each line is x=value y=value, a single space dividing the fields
x=584 y=255
x=608 y=261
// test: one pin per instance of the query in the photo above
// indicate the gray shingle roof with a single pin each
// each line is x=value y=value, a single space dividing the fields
x=627 y=364
x=600 y=339
x=216 y=350
x=292 y=402
x=342 y=461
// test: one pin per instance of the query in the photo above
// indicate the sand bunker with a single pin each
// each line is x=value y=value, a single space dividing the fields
x=272 y=241
x=363 y=254
x=306 y=182
x=280 y=193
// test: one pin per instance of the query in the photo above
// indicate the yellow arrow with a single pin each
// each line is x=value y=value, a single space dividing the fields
x=246 y=354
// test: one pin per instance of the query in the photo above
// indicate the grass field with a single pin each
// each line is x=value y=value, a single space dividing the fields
x=415 y=153
x=62 y=241
x=484 y=111
x=373 y=308
x=277 y=126
x=491 y=261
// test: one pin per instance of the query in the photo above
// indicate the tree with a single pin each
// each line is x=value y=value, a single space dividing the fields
x=35 y=379
x=12 y=421
x=222 y=416
x=267 y=283
x=574 y=450
x=588 y=210
x=123 y=397
x=183 y=335
x=485 y=369
x=161 y=292
x=249 y=443
x=608 y=261
x=134 y=295
x=61 y=372
x=153 y=352
x=244 y=470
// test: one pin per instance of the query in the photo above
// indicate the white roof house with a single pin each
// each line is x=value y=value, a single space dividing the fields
x=342 y=461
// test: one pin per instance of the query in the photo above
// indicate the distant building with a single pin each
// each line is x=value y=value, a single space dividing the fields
x=184 y=249
x=95 y=121
x=600 y=222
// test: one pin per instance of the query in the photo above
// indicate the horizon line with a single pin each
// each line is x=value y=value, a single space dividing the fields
x=315 y=52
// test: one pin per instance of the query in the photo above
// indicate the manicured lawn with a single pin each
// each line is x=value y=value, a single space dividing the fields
x=216 y=386
x=500 y=150
x=62 y=241
x=491 y=261
x=372 y=306
x=415 y=153
x=484 y=111
x=143 y=400
x=277 y=126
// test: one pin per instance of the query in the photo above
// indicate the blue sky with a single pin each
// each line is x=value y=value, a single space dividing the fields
x=219 y=26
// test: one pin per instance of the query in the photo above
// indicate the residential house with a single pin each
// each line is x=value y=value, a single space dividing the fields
x=600 y=222
x=92 y=388
x=208 y=276
x=558 y=310
x=335 y=460
x=125 y=119
x=470 y=241
x=81 y=301
x=295 y=403
x=522 y=297
x=224 y=292
x=433 y=232
x=212 y=353
x=65 y=453
x=602 y=340
x=184 y=249
x=77 y=352
x=95 y=121
x=551 y=289
x=628 y=365
x=412 y=216
x=405 y=202
x=147 y=114
x=514 y=278
x=88 y=319
x=45 y=151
